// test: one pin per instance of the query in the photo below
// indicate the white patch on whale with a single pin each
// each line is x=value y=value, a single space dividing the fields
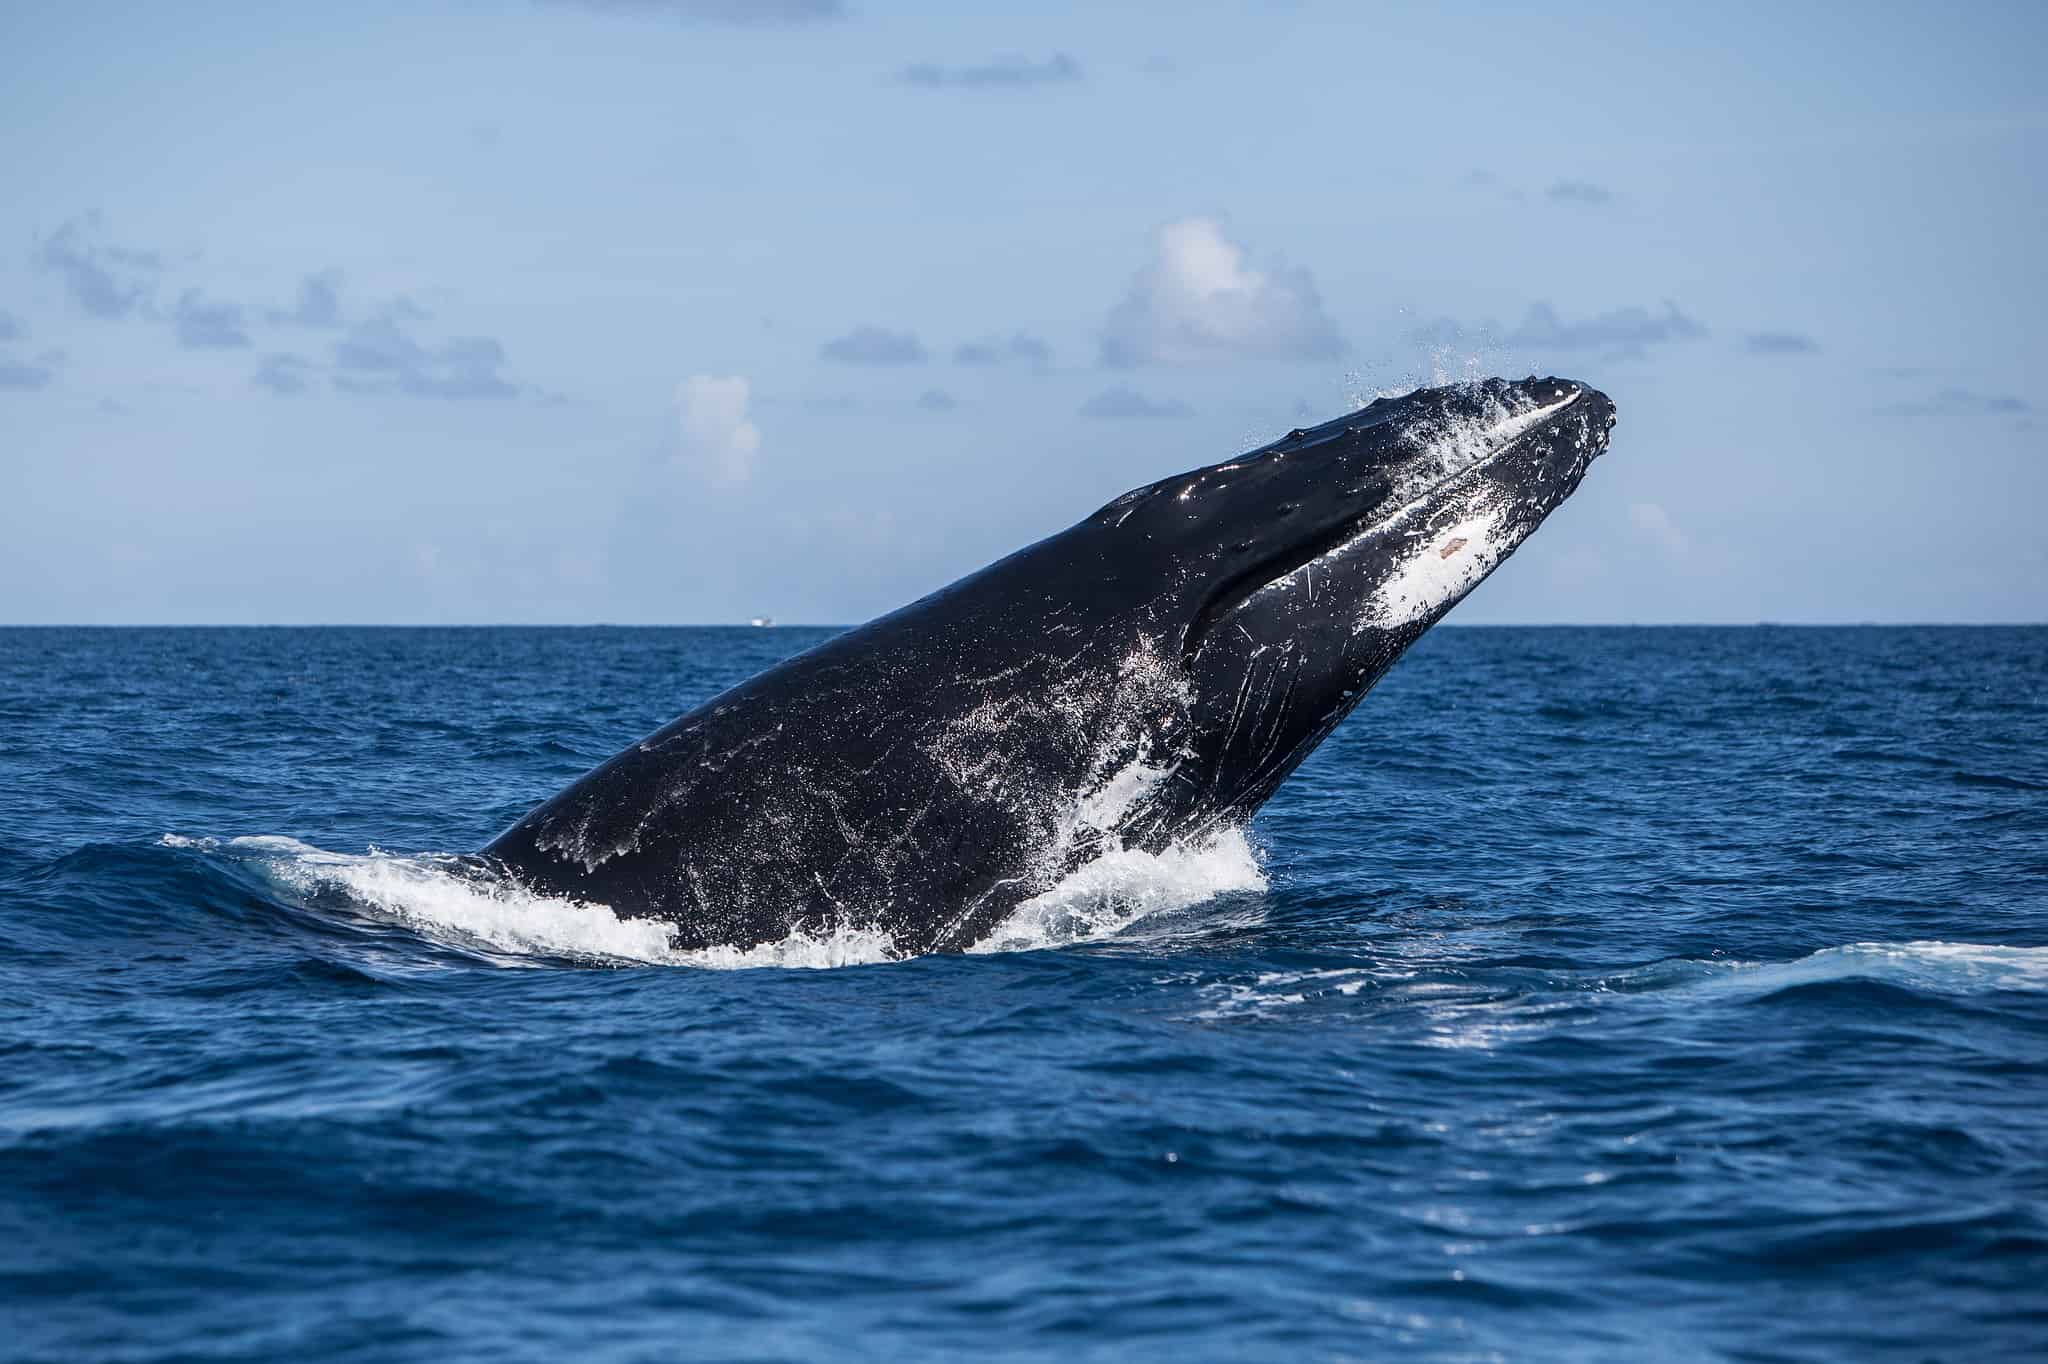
x=1441 y=568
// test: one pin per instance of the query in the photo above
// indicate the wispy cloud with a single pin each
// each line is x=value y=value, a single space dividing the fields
x=12 y=328
x=379 y=357
x=106 y=281
x=1002 y=73
x=1961 y=402
x=1583 y=192
x=937 y=400
x=318 y=303
x=282 y=374
x=762 y=13
x=376 y=354
x=1019 y=349
x=1623 y=332
x=1127 y=404
x=1200 y=300
x=1779 y=343
x=1629 y=330
x=866 y=345
x=201 y=324
x=26 y=378
x=1486 y=180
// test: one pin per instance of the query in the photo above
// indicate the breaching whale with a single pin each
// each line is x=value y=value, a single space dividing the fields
x=1146 y=677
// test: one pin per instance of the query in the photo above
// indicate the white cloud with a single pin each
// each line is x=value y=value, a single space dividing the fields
x=716 y=434
x=1199 y=300
x=1653 y=522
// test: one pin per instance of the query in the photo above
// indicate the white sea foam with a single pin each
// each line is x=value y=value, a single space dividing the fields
x=440 y=900
x=437 y=898
x=1270 y=991
x=1122 y=886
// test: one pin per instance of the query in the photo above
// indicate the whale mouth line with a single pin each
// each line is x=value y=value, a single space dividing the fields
x=1240 y=587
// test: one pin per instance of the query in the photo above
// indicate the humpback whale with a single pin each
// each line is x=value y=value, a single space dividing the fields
x=1146 y=677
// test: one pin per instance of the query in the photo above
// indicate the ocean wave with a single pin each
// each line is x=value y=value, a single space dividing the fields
x=1477 y=1006
x=1928 y=967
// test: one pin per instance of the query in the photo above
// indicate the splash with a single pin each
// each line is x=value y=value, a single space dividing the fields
x=1115 y=890
x=1454 y=441
x=444 y=900
x=449 y=901
x=1442 y=364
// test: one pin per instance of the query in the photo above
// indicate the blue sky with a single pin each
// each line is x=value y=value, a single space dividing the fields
x=688 y=310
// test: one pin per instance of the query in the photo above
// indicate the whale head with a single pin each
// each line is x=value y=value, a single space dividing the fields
x=1291 y=578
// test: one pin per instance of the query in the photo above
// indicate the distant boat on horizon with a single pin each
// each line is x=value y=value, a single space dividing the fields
x=763 y=621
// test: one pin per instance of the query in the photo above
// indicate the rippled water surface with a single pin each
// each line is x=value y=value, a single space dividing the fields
x=1592 y=994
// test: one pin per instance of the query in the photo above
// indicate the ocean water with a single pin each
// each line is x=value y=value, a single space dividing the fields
x=1592 y=994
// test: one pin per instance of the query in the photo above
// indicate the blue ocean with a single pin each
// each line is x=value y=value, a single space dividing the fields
x=1592 y=994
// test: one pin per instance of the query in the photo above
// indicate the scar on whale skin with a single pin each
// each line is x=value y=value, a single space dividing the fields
x=1452 y=546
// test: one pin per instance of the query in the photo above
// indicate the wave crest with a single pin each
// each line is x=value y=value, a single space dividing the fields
x=1927 y=966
